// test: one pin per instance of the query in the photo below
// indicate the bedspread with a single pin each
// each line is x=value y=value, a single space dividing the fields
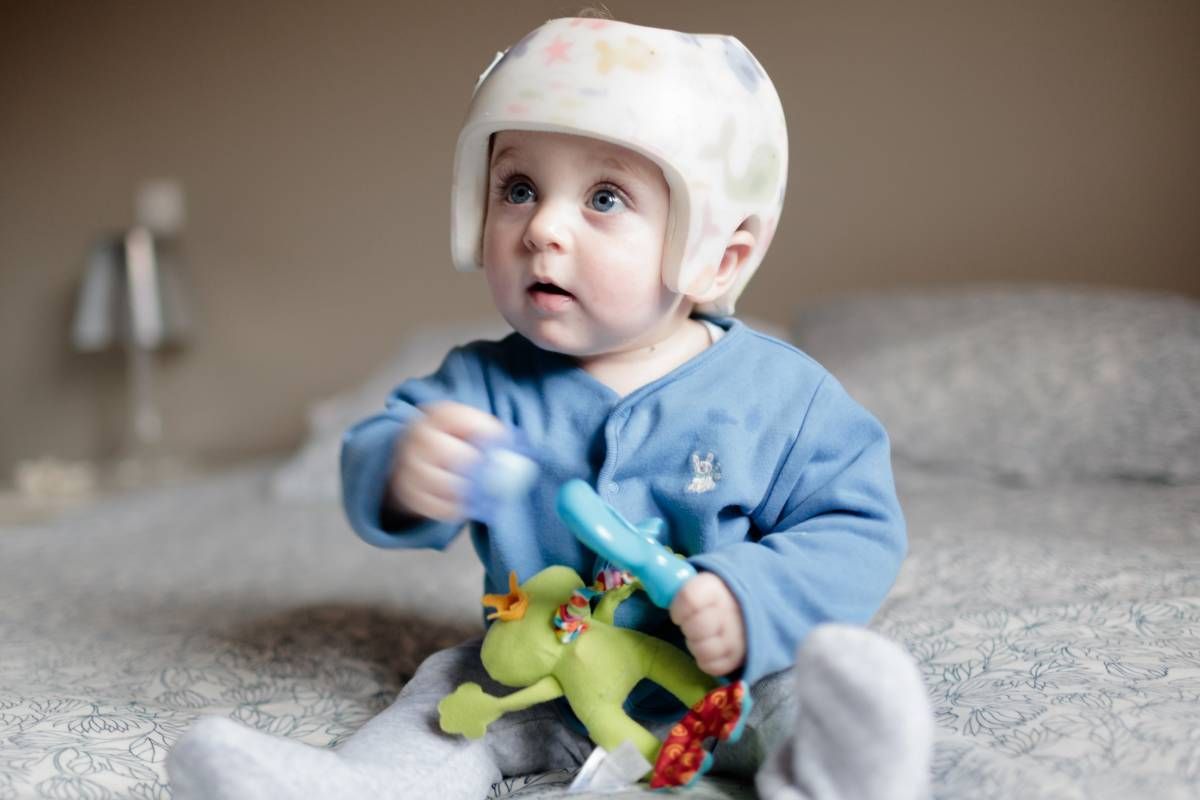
x=1058 y=632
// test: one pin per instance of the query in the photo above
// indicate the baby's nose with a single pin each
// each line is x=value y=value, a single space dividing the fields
x=549 y=228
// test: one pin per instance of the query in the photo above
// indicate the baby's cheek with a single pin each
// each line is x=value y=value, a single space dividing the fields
x=496 y=283
x=612 y=290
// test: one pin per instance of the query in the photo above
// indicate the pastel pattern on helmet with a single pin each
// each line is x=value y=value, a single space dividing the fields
x=590 y=22
x=743 y=64
x=653 y=91
x=634 y=54
x=516 y=51
x=758 y=179
x=558 y=50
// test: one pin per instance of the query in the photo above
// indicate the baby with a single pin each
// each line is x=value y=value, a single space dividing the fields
x=618 y=185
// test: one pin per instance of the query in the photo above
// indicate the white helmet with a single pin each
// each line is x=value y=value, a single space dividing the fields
x=699 y=106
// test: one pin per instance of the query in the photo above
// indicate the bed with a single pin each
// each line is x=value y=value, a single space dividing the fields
x=1047 y=450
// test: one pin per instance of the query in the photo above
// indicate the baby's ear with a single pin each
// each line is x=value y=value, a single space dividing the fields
x=715 y=281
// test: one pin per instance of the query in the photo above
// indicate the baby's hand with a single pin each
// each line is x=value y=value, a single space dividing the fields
x=431 y=457
x=711 y=621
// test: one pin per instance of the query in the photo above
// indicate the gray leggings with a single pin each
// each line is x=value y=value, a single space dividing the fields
x=405 y=738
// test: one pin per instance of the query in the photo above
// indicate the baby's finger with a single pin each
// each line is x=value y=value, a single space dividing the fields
x=691 y=600
x=431 y=507
x=709 y=650
x=434 y=446
x=464 y=422
x=700 y=626
x=721 y=665
x=432 y=480
x=426 y=490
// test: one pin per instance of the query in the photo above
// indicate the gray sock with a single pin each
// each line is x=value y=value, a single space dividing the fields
x=864 y=730
x=218 y=759
x=400 y=753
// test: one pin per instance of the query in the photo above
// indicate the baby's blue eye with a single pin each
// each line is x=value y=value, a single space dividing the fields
x=520 y=192
x=606 y=200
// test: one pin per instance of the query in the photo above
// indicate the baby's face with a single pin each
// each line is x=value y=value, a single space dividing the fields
x=573 y=243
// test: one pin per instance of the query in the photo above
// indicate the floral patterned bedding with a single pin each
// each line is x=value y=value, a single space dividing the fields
x=1058 y=631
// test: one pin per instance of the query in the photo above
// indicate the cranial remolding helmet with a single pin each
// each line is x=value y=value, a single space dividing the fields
x=699 y=106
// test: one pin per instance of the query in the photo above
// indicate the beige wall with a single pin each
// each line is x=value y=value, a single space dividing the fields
x=931 y=142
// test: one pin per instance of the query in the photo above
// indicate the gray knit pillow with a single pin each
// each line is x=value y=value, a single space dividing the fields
x=1026 y=383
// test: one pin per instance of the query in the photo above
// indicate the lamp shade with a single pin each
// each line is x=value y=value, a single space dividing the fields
x=130 y=296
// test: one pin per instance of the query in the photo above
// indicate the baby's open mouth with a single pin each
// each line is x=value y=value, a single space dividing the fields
x=549 y=298
x=548 y=288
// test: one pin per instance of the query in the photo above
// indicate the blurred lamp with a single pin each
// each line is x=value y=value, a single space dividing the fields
x=132 y=297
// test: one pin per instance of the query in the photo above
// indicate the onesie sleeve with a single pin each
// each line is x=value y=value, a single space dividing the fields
x=367 y=449
x=833 y=535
